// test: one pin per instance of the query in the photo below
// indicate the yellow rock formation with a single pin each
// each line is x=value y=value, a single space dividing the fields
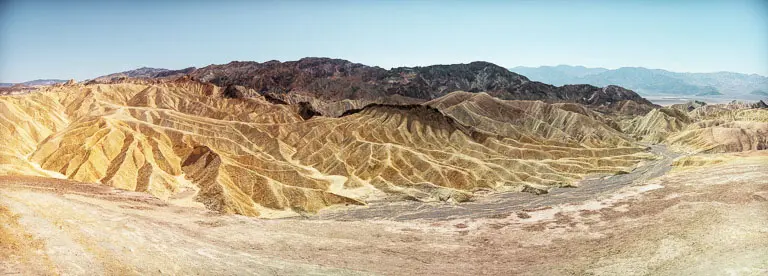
x=256 y=158
x=657 y=125
x=706 y=129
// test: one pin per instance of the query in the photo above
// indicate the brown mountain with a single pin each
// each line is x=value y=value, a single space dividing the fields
x=325 y=82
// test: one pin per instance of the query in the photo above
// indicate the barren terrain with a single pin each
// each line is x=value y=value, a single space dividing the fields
x=326 y=167
x=709 y=220
x=252 y=157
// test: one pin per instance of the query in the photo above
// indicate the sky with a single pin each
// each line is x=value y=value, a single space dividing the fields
x=85 y=39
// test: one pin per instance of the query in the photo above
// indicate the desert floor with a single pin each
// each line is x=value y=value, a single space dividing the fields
x=707 y=220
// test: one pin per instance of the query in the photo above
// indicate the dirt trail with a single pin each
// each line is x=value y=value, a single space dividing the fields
x=501 y=204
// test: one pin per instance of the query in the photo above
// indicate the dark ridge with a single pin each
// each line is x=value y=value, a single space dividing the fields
x=234 y=92
x=328 y=79
x=374 y=105
x=172 y=73
x=123 y=79
x=677 y=114
x=429 y=116
x=306 y=111
x=760 y=104
x=273 y=100
x=146 y=73
x=200 y=152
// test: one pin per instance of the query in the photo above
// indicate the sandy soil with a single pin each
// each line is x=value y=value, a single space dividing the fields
x=700 y=221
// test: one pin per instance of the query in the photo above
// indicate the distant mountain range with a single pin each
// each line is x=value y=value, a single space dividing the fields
x=334 y=86
x=34 y=83
x=145 y=72
x=649 y=82
x=646 y=82
x=334 y=80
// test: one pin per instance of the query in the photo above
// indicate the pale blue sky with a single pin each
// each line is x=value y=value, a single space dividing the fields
x=85 y=39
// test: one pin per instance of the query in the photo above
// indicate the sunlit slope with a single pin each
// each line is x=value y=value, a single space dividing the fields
x=535 y=122
x=253 y=157
x=724 y=131
x=25 y=121
x=706 y=129
x=428 y=154
x=657 y=125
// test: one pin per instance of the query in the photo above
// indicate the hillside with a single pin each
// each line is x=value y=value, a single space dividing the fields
x=253 y=157
x=308 y=181
x=718 y=128
x=250 y=138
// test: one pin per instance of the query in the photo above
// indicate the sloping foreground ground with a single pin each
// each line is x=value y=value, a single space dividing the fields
x=701 y=219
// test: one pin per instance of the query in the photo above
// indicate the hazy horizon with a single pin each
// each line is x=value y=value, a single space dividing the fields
x=508 y=67
x=615 y=68
x=86 y=39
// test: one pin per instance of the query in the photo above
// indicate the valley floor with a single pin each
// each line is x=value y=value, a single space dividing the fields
x=710 y=220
